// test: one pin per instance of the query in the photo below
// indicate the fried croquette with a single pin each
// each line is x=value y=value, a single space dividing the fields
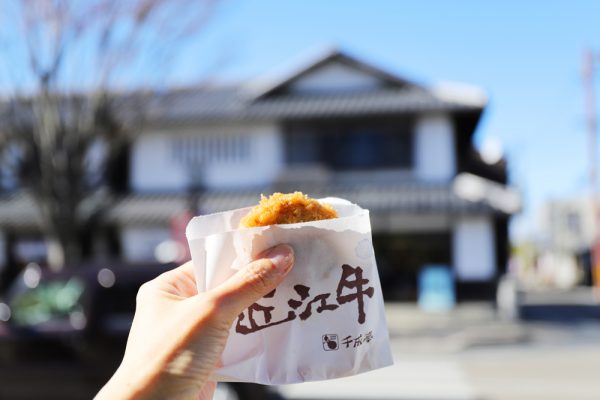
x=289 y=208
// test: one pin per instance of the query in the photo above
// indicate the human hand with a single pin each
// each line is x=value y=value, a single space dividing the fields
x=178 y=334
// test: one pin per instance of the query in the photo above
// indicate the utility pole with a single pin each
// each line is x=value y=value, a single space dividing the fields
x=590 y=105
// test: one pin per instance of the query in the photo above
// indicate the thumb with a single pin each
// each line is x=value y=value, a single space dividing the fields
x=255 y=280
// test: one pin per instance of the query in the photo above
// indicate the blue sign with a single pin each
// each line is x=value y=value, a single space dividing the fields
x=436 y=288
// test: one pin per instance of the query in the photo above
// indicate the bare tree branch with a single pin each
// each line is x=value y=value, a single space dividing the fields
x=62 y=140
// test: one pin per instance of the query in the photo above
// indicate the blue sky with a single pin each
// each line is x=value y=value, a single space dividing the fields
x=525 y=54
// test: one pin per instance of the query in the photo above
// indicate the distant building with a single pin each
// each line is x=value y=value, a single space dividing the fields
x=334 y=126
x=568 y=225
x=567 y=231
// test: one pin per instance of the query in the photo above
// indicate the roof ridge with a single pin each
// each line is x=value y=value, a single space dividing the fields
x=261 y=86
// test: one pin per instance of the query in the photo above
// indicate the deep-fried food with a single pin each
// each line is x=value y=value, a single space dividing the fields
x=287 y=208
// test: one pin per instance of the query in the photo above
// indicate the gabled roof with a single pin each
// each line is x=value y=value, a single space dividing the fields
x=270 y=99
x=276 y=82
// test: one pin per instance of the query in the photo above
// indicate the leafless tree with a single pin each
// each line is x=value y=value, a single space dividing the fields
x=71 y=103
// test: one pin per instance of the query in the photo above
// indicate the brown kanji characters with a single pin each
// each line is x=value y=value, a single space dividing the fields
x=322 y=307
x=357 y=284
x=303 y=292
x=266 y=310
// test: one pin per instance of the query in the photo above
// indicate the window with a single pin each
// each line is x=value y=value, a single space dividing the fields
x=303 y=148
x=348 y=146
x=369 y=149
x=210 y=149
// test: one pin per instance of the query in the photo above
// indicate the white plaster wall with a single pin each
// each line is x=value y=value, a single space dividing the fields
x=335 y=77
x=263 y=166
x=155 y=166
x=138 y=243
x=435 y=158
x=473 y=250
x=151 y=167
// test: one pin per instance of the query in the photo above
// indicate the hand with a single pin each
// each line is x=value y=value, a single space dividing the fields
x=178 y=334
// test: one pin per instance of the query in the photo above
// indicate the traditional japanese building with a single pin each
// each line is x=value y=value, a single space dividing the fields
x=332 y=126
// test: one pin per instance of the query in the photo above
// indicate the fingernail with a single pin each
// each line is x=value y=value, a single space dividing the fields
x=282 y=257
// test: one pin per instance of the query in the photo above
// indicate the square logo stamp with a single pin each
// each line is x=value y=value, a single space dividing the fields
x=330 y=342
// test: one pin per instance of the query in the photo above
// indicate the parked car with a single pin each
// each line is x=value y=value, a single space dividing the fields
x=65 y=332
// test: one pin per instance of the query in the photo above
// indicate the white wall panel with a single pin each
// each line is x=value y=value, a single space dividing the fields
x=434 y=150
x=473 y=249
x=220 y=157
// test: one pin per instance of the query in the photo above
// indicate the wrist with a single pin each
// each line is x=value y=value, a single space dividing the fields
x=148 y=384
x=124 y=385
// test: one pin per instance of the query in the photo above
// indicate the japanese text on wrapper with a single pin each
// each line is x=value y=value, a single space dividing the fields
x=357 y=341
x=348 y=290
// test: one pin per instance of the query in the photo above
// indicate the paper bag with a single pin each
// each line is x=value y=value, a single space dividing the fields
x=325 y=320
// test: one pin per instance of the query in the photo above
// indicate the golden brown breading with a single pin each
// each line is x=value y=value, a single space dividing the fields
x=287 y=208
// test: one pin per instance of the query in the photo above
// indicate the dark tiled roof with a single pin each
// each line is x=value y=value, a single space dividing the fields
x=188 y=105
x=466 y=194
x=383 y=101
x=404 y=198
x=151 y=209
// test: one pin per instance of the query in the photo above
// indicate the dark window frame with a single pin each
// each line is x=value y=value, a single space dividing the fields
x=343 y=145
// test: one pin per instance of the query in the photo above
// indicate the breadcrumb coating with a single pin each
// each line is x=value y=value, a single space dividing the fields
x=289 y=208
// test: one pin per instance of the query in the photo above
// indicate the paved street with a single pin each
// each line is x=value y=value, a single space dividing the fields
x=467 y=354
x=537 y=372
x=470 y=355
x=411 y=377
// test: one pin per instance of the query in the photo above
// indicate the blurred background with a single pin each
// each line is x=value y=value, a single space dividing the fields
x=467 y=128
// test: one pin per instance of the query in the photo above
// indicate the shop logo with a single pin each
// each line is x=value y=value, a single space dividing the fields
x=330 y=342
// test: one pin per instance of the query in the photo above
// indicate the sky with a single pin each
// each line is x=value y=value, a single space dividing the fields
x=526 y=55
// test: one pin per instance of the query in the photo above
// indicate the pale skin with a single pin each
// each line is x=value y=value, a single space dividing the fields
x=178 y=334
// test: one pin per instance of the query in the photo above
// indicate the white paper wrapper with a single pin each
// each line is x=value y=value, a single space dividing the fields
x=324 y=321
